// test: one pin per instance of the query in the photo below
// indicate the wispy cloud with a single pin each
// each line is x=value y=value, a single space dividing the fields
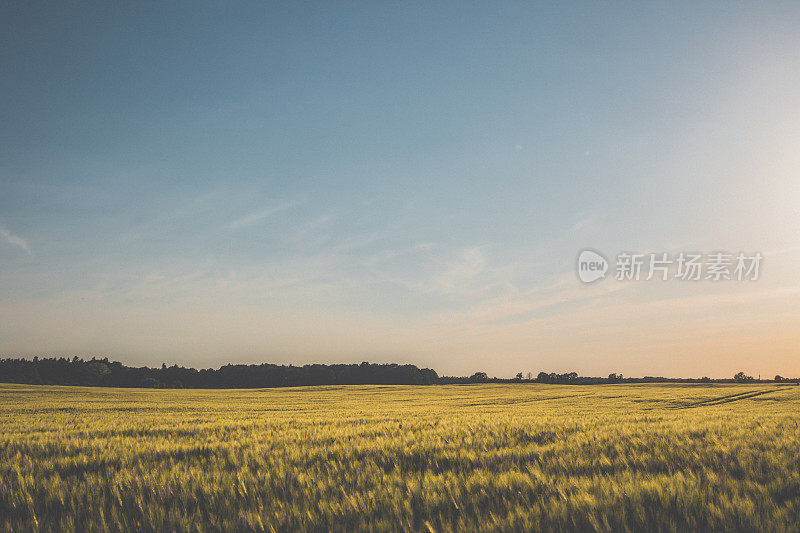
x=14 y=240
x=257 y=217
x=390 y=254
x=459 y=274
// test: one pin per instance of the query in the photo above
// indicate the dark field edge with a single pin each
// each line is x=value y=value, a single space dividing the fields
x=104 y=373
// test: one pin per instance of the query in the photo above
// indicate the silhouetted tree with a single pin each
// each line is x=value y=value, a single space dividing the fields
x=479 y=377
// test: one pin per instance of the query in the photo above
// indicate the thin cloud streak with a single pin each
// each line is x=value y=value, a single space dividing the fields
x=14 y=240
x=257 y=217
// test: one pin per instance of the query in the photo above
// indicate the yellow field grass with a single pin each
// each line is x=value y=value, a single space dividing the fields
x=474 y=457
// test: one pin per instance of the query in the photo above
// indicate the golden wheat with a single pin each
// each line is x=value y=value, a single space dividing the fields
x=479 y=457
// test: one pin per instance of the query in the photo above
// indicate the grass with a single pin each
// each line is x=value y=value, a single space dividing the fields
x=482 y=457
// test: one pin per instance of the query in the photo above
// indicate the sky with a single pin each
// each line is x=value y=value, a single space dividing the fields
x=203 y=183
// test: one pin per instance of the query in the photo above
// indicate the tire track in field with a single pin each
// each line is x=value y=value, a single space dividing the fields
x=726 y=399
x=513 y=401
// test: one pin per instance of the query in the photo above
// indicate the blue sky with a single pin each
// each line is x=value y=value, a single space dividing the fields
x=203 y=183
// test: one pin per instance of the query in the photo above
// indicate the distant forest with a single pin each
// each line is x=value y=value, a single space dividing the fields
x=105 y=373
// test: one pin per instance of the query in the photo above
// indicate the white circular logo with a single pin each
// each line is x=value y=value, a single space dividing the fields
x=591 y=266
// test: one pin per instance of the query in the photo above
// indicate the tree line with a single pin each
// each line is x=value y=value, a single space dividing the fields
x=572 y=378
x=104 y=373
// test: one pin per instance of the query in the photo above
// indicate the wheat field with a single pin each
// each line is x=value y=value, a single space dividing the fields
x=440 y=458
